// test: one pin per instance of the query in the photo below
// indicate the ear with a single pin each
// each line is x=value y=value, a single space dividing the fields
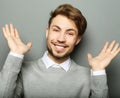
x=78 y=40
x=46 y=32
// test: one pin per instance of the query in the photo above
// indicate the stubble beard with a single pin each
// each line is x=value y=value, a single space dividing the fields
x=58 y=57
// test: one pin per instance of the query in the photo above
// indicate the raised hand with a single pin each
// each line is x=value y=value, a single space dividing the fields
x=14 y=42
x=101 y=61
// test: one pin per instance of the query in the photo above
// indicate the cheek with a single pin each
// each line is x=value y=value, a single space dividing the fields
x=52 y=36
x=71 y=42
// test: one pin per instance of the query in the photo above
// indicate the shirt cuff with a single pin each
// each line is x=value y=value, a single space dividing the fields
x=96 y=73
x=16 y=55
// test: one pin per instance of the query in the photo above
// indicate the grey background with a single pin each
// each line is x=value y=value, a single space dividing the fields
x=31 y=17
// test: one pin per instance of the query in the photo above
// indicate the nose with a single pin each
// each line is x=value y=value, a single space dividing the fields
x=61 y=38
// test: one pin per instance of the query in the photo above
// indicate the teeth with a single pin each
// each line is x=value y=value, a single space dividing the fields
x=59 y=47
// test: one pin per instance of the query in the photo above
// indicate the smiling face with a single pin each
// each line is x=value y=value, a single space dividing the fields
x=62 y=36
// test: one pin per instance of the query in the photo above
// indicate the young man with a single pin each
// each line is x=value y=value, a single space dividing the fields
x=55 y=75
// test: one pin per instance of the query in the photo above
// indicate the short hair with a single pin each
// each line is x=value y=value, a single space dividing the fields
x=71 y=13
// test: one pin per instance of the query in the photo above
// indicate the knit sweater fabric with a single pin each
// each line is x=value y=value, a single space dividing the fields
x=36 y=81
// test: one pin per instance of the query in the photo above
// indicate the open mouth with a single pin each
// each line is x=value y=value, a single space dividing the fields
x=59 y=47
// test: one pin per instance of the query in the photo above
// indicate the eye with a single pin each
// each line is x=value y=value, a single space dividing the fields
x=56 y=30
x=70 y=33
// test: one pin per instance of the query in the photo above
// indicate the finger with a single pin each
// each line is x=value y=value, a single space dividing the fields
x=29 y=45
x=89 y=56
x=105 y=47
x=111 y=46
x=12 y=30
x=16 y=34
x=4 y=32
x=115 y=47
x=117 y=51
x=7 y=30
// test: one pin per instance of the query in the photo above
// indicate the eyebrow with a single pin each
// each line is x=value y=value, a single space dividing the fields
x=67 y=29
x=56 y=26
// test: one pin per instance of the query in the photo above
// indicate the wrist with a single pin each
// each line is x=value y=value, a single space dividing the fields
x=97 y=69
x=16 y=54
x=96 y=73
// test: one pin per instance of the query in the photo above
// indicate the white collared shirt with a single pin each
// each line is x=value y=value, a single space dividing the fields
x=50 y=63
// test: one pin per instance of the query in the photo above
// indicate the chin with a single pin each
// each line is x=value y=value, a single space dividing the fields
x=58 y=55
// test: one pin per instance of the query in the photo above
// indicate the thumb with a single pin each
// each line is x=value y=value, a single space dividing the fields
x=29 y=45
x=89 y=56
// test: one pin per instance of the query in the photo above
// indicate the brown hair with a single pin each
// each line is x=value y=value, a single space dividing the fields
x=71 y=13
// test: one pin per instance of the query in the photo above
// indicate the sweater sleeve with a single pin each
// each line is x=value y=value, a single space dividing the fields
x=99 y=88
x=8 y=76
x=18 y=93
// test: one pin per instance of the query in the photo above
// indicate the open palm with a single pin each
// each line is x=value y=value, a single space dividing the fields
x=14 y=42
x=101 y=61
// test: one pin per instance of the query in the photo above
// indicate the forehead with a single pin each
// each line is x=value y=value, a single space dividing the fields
x=63 y=22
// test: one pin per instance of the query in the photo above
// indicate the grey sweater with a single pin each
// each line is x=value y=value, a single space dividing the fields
x=35 y=81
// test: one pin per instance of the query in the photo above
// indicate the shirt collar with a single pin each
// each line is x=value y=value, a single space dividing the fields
x=49 y=63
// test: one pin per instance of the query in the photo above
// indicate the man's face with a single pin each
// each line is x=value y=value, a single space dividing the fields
x=62 y=36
